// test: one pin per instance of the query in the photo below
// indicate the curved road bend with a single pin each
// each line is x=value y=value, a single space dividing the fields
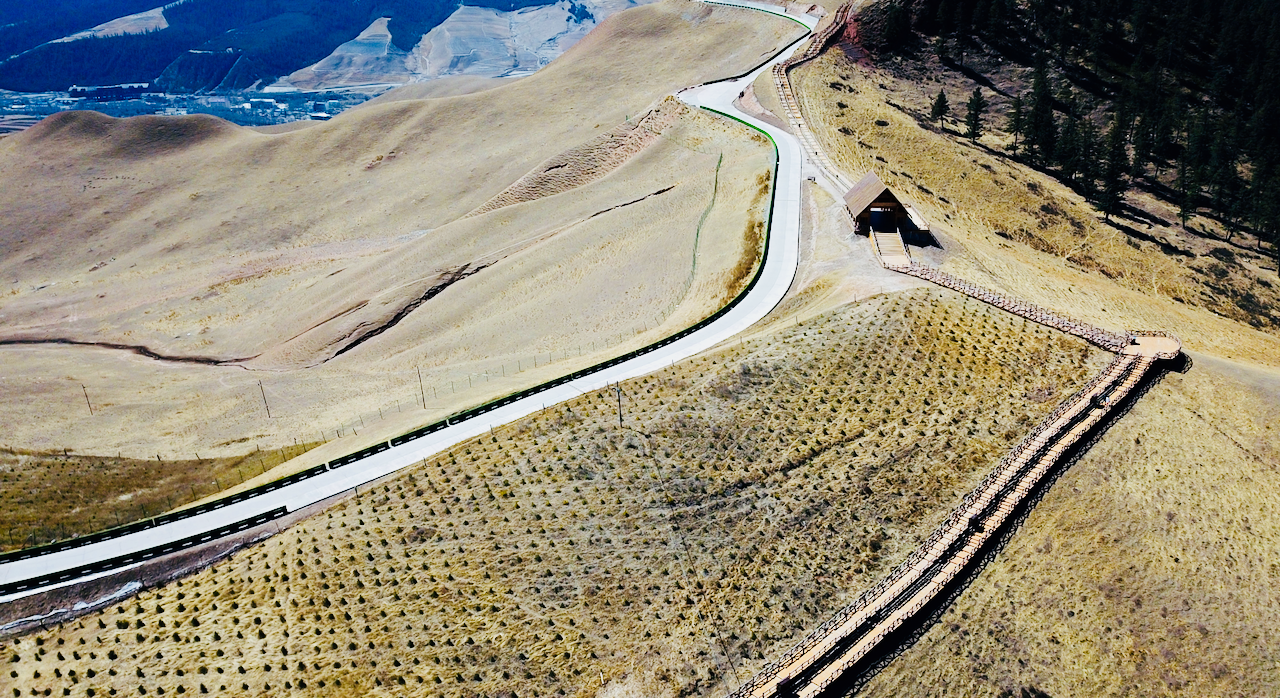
x=775 y=279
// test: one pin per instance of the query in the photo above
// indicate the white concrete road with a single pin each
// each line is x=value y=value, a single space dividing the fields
x=775 y=279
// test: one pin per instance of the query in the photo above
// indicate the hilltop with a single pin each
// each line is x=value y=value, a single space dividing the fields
x=231 y=45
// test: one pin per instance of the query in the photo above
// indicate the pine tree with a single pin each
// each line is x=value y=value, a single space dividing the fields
x=1067 y=148
x=1264 y=197
x=1222 y=176
x=940 y=107
x=1141 y=147
x=1093 y=44
x=973 y=120
x=1188 y=188
x=1016 y=122
x=1087 y=161
x=1042 y=131
x=897 y=29
x=945 y=17
x=1117 y=163
x=1196 y=153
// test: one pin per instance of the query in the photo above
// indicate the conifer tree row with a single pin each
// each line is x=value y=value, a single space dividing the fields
x=1180 y=94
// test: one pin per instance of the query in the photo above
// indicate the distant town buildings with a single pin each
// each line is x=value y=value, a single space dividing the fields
x=108 y=92
x=20 y=110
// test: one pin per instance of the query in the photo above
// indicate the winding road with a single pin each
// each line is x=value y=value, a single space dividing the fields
x=822 y=661
x=37 y=574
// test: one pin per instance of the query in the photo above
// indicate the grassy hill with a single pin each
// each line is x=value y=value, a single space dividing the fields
x=1127 y=107
x=1118 y=96
x=1024 y=231
x=337 y=266
x=1145 y=568
x=751 y=491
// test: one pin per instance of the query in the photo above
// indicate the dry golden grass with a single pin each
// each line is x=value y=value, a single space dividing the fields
x=451 y=86
x=750 y=493
x=590 y=161
x=1020 y=230
x=194 y=238
x=1149 y=569
x=53 y=496
x=498 y=335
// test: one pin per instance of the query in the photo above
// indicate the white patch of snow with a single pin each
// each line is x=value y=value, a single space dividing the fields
x=488 y=43
x=140 y=23
x=473 y=41
x=366 y=60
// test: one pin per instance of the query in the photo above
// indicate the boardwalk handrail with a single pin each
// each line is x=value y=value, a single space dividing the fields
x=959 y=514
x=1111 y=341
x=1023 y=463
x=994 y=497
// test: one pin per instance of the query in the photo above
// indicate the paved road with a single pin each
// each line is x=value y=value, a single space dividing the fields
x=774 y=281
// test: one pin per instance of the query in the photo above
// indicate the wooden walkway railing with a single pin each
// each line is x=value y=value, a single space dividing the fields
x=795 y=117
x=1107 y=340
x=851 y=634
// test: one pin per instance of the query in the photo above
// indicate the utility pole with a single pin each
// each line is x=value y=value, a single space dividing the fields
x=422 y=389
x=264 y=399
x=86 y=399
x=618 y=390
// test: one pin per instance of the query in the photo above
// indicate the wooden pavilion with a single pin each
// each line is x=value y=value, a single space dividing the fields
x=875 y=207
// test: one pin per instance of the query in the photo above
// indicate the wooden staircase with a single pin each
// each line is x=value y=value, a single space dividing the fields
x=891 y=249
x=795 y=116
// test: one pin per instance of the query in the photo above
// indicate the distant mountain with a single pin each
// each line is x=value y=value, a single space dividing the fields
x=480 y=40
x=195 y=45
x=25 y=25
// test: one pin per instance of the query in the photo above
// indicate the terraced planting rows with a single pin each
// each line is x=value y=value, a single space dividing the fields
x=748 y=494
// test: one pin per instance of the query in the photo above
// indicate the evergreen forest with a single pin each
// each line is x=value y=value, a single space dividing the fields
x=1178 y=97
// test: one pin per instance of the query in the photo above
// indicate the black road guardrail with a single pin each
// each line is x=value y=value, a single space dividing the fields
x=142 y=555
x=451 y=420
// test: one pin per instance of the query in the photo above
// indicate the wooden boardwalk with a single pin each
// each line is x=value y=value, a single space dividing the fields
x=856 y=630
x=795 y=117
x=890 y=249
x=1109 y=341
